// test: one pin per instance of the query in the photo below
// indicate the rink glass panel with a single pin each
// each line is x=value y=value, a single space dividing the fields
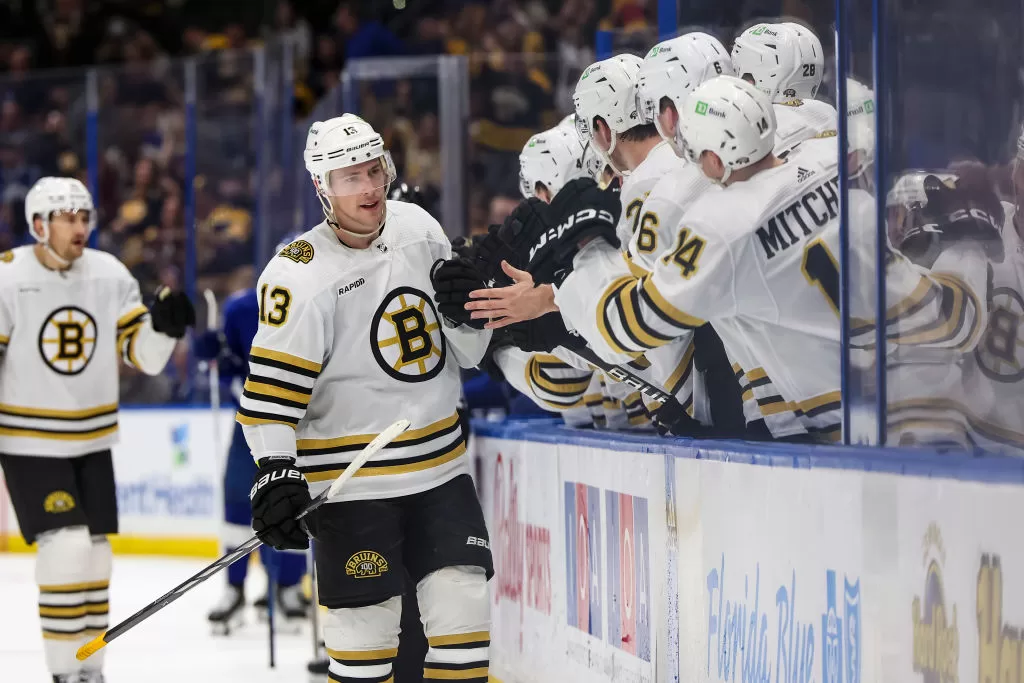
x=951 y=101
x=419 y=106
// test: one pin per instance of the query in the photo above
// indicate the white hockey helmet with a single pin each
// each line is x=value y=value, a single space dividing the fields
x=731 y=118
x=551 y=158
x=51 y=195
x=860 y=130
x=607 y=89
x=807 y=80
x=672 y=69
x=340 y=143
x=770 y=55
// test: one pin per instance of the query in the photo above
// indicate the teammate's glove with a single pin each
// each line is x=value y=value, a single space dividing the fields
x=969 y=210
x=509 y=242
x=278 y=494
x=671 y=419
x=453 y=280
x=171 y=312
x=583 y=212
x=544 y=334
x=464 y=247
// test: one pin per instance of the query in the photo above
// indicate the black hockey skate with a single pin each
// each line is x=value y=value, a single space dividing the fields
x=91 y=677
x=227 y=615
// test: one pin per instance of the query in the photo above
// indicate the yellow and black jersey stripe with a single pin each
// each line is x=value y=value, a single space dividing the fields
x=819 y=415
x=4 y=341
x=83 y=424
x=278 y=389
x=128 y=326
x=559 y=385
x=636 y=411
x=633 y=316
x=681 y=375
x=413 y=451
x=941 y=312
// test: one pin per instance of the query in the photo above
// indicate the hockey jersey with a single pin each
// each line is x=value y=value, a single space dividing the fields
x=61 y=334
x=994 y=372
x=348 y=342
x=759 y=261
x=799 y=120
x=548 y=381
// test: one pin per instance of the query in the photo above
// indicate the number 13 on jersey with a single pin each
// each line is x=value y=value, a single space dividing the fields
x=279 y=300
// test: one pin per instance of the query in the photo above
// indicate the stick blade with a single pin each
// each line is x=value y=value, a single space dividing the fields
x=91 y=648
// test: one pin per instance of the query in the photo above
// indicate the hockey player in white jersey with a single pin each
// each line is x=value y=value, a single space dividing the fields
x=785 y=62
x=67 y=315
x=770 y=235
x=349 y=340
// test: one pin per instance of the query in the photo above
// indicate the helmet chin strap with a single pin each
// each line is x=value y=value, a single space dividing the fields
x=336 y=224
x=45 y=244
x=608 y=155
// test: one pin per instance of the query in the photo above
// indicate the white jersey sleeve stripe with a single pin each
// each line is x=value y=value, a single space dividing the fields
x=276 y=391
x=252 y=418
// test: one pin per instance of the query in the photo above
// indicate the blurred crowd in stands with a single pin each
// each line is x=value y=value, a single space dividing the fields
x=524 y=58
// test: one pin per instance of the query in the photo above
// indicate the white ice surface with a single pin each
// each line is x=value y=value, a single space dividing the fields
x=174 y=646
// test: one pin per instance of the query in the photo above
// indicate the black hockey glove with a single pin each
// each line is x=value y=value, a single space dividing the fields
x=464 y=247
x=544 y=334
x=453 y=280
x=171 y=312
x=278 y=494
x=511 y=241
x=671 y=419
x=550 y=235
x=955 y=211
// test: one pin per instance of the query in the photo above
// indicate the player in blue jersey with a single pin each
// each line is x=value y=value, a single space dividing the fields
x=230 y=347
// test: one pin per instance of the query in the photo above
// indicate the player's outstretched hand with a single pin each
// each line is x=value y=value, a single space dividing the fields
x=172 y=312
x=453 y=280
x=278 y=494
x=522 y=300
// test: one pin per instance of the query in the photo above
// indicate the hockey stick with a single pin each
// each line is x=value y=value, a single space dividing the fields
x=621 y=373
x=102 y=640
x=211 y=324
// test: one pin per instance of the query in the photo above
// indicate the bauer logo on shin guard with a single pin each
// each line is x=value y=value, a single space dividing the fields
x=366 y=564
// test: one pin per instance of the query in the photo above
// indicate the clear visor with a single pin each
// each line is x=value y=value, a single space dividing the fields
x=73 y=211
x=368 y=177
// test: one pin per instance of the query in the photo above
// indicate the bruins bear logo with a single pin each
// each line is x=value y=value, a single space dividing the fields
x=6 y=256
x=299 y=251
x=406 y=337
x=999 y=353
x=366 y=564
x=67 y=340
x=58 y=502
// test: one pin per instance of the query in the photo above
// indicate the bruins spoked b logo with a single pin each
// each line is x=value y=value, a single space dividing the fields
x=67 y=340
x=1001 y=351
x=406 y=337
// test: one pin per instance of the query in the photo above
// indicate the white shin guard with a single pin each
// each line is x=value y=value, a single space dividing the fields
x=456 y=614
x=63 y=562
x=97 y=605
x=362 y=642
